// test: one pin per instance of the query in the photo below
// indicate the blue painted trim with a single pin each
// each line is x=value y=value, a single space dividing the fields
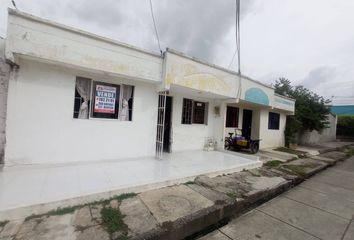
x=256 y=95
x=282 y=101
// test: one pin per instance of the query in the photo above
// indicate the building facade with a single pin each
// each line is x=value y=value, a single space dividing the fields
x=75 y=96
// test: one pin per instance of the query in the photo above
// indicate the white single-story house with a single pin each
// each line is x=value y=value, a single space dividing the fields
x=75 y=96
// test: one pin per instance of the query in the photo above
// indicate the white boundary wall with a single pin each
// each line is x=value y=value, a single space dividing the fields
x=326 y=135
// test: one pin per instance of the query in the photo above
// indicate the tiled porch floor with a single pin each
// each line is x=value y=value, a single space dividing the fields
x=23 y=186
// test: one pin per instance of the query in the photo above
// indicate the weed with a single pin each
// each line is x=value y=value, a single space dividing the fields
x=112 y=220
x=349 y=152
x=272 y=163
x=189 y=183
x=297 y=169
x=291 y=151
x=66 y=210
x=56 y=212
x=124 y=196
x=3 y=223
x=231 y=195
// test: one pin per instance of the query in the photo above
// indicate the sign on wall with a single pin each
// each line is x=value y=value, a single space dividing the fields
x=105 y=99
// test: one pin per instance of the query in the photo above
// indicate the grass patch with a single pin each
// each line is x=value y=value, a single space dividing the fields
x=349 y=152
x=67 y=210
x=123 y=196
x=231 y=195
x=272 y=163
x=56 y=212
x=3 y=223
x=189 y=183
x=291 y=151
x=63 y=211
x=296 y=169
x=112 y=220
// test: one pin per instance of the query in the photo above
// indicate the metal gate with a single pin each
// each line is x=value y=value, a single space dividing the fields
x=161 y=108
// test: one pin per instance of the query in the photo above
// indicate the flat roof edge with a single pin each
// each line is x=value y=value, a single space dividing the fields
x=170 y=50
x=78 y=31
x=289 y=98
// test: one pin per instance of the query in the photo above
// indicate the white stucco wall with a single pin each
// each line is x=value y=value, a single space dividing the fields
x=326 y=135
x=271 y=137
x=191 y=136
x=4 y=79
x=41 y=127
x=52 y=42
x=191 y=73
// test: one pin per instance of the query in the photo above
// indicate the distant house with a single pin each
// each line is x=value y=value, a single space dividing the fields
x=343 y=110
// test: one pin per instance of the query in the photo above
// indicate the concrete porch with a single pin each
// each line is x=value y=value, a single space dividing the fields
x=29 y=189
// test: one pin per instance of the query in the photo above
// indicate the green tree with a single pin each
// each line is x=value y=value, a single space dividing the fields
x=311 y=110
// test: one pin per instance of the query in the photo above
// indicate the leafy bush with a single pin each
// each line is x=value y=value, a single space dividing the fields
x=345 y=126
x=311 y=110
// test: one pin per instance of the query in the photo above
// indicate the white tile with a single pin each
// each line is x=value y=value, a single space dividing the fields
x=92 y=179
x=20 y=187
x=29 y=185
x=60 y=183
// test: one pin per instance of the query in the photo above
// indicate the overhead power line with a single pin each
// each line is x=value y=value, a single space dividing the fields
x=237 y=37
x=14 y=4
x=153 y=20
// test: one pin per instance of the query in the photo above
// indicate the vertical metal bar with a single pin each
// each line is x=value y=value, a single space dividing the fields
x=161 y=108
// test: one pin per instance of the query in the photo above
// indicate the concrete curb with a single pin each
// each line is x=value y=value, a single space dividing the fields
x=192 y=224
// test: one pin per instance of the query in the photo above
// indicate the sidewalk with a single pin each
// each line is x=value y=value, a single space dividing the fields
x=319 y=208
x=181 y=211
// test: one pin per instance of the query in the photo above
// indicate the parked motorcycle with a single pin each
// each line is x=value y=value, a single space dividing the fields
x=239 y=142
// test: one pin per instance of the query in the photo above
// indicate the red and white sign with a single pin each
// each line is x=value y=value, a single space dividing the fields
x=105 y=99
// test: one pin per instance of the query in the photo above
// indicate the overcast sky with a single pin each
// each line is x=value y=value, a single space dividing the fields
x=310 y=42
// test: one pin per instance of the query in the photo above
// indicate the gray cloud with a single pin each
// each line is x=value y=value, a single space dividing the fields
x=197 y=27
x=319 y=77
x=278 y=38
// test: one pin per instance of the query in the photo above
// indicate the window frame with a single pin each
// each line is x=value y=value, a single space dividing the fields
x=95 y=83
x=90 y=105
x=237 y=117
x=273 y=121
x=193 y=102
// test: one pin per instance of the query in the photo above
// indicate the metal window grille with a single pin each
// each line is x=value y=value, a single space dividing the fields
x=187 y=111
x=273 y=120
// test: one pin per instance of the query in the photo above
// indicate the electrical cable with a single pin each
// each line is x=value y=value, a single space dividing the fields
x=238 y=45
x=153 y=20
x=14 y=4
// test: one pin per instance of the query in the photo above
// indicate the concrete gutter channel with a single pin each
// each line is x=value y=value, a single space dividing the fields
x=183 y=211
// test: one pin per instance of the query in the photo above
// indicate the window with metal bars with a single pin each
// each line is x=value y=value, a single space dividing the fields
x=194 y=112
x=273 y=120
x=232 y=117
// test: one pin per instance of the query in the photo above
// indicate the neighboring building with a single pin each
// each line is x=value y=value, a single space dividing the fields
x=76 y=96
x=343 y=110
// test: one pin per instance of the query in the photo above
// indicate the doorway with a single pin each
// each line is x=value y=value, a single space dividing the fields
x=247 y=123
x=168 y=125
